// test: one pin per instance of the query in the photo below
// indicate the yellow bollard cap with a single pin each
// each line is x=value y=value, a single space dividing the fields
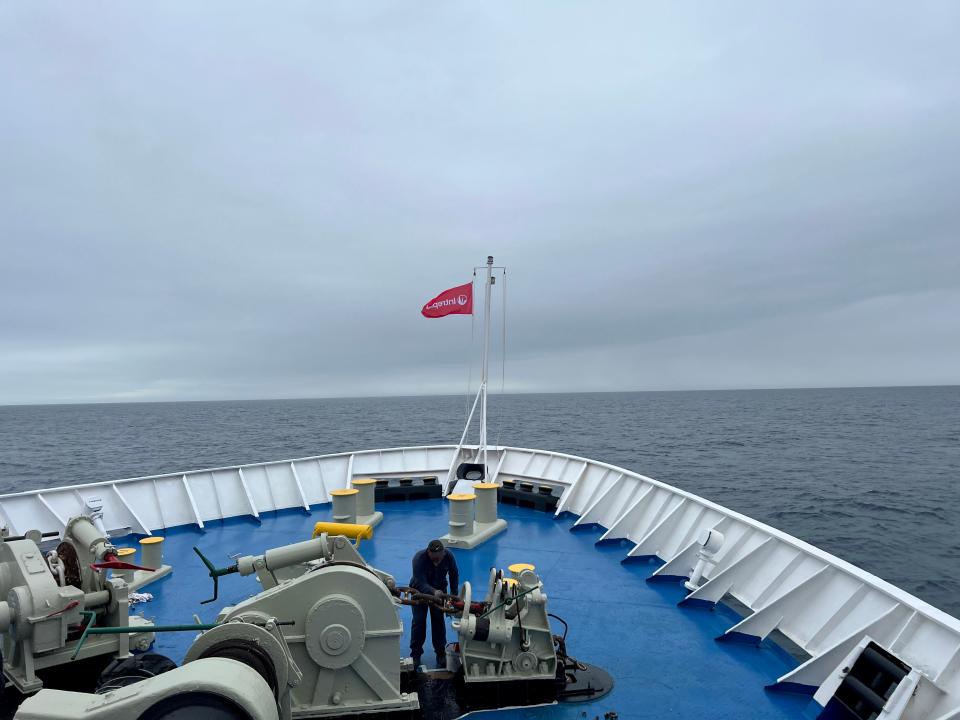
x=364 y=481
x=462 y=496
x=518 y=568
x=345 y=491
x=151 y=540
x=485 y=486
x=126 y=552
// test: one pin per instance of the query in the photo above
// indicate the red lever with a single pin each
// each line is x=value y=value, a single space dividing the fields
x=118 y=565
x=68 y=606
x=110 y=562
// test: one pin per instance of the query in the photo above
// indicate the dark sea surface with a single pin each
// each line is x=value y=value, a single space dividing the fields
x=871 y=475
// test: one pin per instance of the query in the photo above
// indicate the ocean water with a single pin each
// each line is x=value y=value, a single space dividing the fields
x=871 y=475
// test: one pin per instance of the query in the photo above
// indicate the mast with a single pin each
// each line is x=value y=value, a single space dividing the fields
x=486 y=362
x=481 y=396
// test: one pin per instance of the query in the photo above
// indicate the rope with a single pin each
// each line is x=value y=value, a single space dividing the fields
x=566 y=628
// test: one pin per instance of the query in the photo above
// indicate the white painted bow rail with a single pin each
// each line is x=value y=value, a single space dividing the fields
x=823 y=604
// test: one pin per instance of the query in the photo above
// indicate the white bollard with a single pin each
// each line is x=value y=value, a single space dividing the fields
x=344 y=505
x=151 y=556
x=151 y=552
x=461 y=515
x=486 y=501
x=467 y=530
x=367 y=513
x=128 y=555
x=365 y=495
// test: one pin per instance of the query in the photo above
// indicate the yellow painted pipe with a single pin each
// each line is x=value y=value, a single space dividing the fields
x=351 y=530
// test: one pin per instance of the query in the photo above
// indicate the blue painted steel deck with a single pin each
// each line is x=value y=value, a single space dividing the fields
x=664 y=659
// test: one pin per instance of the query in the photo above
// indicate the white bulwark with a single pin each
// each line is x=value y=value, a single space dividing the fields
x=825 y=606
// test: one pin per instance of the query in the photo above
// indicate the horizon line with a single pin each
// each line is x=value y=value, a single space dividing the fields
x=457 y=395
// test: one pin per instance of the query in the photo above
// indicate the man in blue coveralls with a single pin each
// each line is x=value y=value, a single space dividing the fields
x=430 y=570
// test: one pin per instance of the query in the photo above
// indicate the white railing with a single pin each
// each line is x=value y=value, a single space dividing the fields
x=823 y=604
x=155 y=502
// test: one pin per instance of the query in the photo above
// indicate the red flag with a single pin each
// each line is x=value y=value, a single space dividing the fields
x=455 y=301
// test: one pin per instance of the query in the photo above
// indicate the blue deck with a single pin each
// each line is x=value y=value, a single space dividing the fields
x=664 y=659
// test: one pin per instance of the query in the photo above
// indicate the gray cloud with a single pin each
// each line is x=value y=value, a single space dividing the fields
x=213 y=202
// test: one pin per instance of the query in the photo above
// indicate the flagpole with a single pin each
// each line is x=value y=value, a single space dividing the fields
x=486 y=359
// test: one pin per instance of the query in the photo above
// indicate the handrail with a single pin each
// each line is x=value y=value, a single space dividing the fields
x=44 y=496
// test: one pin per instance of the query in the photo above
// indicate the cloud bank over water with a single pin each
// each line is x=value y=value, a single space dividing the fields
x=201 y=202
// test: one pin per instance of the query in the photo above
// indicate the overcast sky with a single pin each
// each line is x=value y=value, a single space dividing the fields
x=243 y=200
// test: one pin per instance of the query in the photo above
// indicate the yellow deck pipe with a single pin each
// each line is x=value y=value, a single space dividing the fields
x=351 y=530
